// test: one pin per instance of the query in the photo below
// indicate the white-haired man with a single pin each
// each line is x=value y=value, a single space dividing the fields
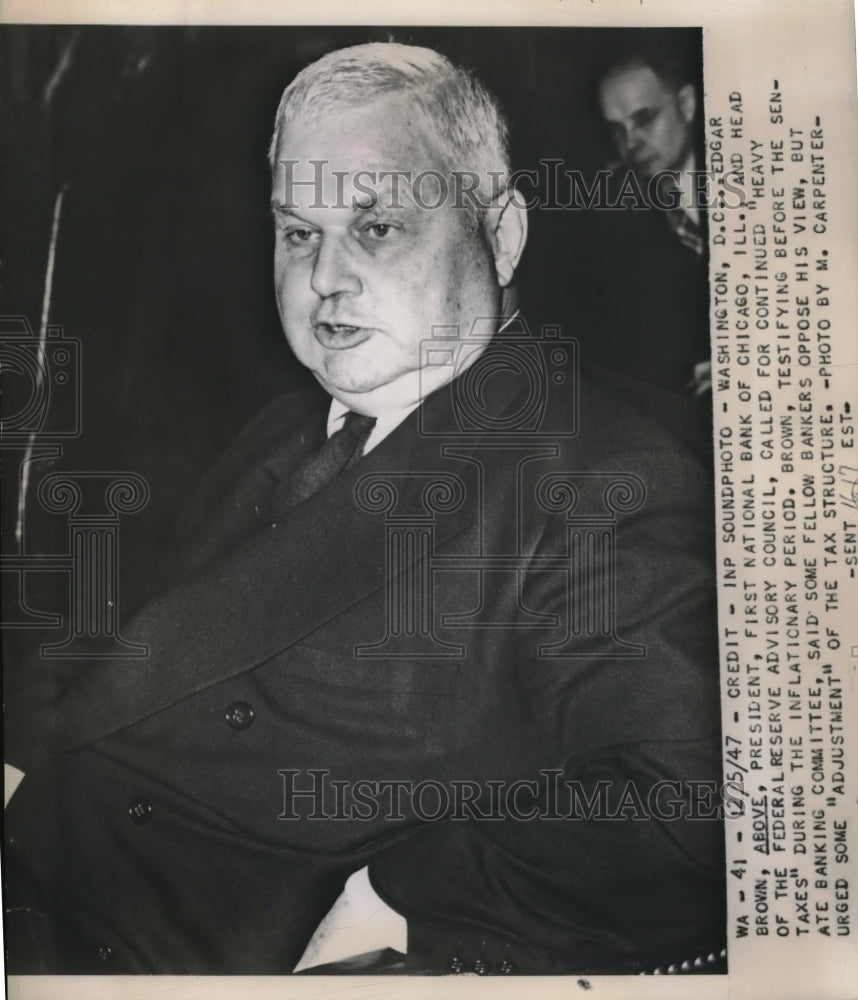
x=430 y=648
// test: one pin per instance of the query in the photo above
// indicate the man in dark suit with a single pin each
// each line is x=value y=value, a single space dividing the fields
x=642 y=287
x=438 y=643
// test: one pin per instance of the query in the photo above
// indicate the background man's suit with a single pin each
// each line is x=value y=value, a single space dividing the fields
x=148 y=838
x=640 y=296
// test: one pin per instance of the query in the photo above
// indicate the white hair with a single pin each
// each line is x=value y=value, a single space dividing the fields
x=464 y=115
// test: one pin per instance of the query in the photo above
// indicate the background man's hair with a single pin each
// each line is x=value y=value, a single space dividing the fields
x=463 y=114
x=668 y=65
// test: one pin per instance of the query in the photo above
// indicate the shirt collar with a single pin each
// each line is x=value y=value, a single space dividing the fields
x=391 y=418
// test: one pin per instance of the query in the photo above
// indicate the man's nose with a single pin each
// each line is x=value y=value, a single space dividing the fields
x=334 y=270
x=632 y=137
x=623 y=139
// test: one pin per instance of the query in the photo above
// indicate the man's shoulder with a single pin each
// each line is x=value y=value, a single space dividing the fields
x=283 y=425
x=635 y=417
x=532 y=388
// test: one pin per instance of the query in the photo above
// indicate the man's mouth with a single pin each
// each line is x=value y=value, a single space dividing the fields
x=340 y=336
x=642 y=159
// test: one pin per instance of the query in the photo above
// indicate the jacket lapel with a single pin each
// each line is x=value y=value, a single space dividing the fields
x=261 y=593
x=272 y=585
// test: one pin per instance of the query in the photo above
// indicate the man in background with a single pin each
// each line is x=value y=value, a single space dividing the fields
x=643 y=287
x=650 y=113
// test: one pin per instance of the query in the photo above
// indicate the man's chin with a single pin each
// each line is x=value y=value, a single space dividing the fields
x=373 y=394
x=644 y=170
x=349 y=384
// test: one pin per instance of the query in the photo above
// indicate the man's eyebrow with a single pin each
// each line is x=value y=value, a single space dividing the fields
x=367 y=201
x=283 y=210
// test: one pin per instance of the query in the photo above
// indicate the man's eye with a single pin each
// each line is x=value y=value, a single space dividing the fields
x=643 y=119
x=297 y=236
x=379 y=230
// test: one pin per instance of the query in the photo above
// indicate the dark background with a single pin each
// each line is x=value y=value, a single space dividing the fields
x=164 y=258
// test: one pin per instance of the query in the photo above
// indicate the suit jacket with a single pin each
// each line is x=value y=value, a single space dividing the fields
x=639 y=296
x=442 y=613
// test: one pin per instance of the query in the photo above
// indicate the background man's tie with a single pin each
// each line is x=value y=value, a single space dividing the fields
x=341 y=450
x=686 y=230
x=689 y=233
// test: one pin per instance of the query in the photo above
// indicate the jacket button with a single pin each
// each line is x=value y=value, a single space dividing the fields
x=239 y=715
x=507 y=966
x=482 y=966
x=456 y=965
x=140 y=810
x=104 y=952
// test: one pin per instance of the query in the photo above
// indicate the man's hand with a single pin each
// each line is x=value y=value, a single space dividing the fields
x=359 y=922
x=12 y=777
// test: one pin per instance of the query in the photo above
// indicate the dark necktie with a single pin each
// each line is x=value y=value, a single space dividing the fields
x=341 y=450
x=689 y=233
x=686 y=230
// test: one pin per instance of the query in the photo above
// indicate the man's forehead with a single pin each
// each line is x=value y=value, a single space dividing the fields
x=386 y=132
x=631 y=88
x=305 y=186
x=367 y=155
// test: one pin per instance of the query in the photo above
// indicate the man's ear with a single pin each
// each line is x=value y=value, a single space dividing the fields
x=687 y=100
x=506 y=222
